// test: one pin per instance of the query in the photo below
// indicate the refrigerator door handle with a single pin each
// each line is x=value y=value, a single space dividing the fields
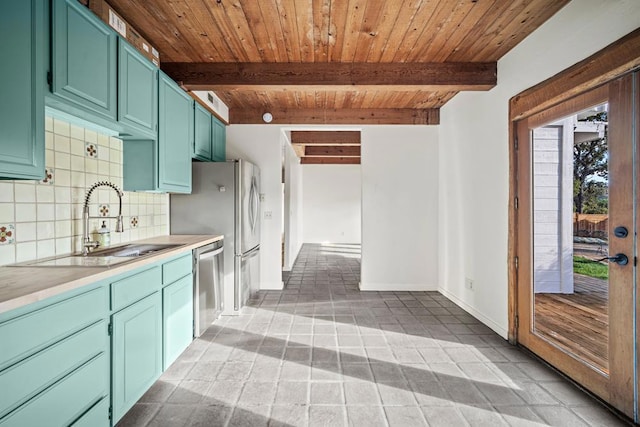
x=251 y=205
x=255 y=203
x=253 y=252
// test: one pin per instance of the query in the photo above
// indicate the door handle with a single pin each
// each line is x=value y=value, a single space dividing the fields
x=620 y=259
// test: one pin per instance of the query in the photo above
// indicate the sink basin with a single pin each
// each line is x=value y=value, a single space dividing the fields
x=101 y=258
x=128 y=251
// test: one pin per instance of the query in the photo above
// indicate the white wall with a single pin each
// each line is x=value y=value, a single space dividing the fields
x=293 y=218
x=332 y=197
x=473 y=138
x=261 y=145
x=399 y=208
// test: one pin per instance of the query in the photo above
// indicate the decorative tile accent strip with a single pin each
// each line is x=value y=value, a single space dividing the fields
x=134 y=222
x=91 y=150
x=48 y=177
x=103 y=210
x=7 y=234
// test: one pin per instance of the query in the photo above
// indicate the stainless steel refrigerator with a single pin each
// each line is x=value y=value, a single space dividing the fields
x=225 y=199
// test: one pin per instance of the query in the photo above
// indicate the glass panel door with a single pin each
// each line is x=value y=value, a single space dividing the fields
x=576 y=239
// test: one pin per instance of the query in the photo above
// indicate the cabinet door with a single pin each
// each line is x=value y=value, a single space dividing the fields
x=219 y=140
x=177 y=309
x=83 y=59
x=137 y=90
x=175 y=137
x=203 y=134
x=22 y=79
x=136 y=352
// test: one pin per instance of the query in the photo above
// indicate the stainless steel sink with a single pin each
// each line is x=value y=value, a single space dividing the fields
x=128 y=251
x=101 y=258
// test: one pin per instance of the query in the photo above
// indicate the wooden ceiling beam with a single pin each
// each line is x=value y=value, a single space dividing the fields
x=330 y=160
x=435 y=76
x=346 y=116
x=325 y=137
x=332 y=151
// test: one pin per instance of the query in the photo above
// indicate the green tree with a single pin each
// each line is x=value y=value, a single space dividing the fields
x=590 y=161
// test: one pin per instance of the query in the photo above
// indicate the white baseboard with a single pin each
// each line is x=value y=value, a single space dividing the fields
x=475 y=313
x=272 y=286
x=397 y=287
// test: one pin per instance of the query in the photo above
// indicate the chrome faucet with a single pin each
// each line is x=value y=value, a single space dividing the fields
x=87 y=243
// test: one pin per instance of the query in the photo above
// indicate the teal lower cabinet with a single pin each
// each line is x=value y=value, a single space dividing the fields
x=85 y=357
x=136 y=352
x=177 y=318
x=54 y=363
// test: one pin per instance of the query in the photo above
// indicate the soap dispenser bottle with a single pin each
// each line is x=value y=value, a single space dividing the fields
x=104 y=235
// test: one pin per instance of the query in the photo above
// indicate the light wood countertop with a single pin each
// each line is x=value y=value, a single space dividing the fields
x=20 y=286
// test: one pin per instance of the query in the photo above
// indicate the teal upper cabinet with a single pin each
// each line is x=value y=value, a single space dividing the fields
x=219 y=140
x=22 y=83
x=137 y=90
x=203 y=134
x=83 y=59
x=175 y=137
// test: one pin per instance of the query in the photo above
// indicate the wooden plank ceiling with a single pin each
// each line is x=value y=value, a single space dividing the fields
x=327 y=147
x=317 y=61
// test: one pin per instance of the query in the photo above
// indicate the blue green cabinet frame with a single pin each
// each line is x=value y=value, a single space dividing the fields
x=137 y=90
x=219 y=140
x=22 y=85
x=136 y=352
x=177 y=318
x=175 y=136
x=83 y=59
x=202 y=147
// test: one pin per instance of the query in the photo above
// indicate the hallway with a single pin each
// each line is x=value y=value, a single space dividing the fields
x=321 y=353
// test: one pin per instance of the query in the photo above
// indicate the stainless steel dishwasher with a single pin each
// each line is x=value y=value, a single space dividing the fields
x=208 y=274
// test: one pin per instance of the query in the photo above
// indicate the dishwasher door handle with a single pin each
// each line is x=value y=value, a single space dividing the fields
x=210 y=254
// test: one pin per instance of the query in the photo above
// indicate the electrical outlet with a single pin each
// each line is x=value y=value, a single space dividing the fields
x=468 y=283
x=268 y=214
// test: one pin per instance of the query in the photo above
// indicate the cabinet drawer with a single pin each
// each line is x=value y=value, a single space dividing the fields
x=30 y=376
x=135 y=287
x=176 y=269
x=35 y=330
x=66 y=400
x=98 y=416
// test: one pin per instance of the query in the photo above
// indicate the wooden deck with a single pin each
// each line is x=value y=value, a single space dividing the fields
x=578 y=322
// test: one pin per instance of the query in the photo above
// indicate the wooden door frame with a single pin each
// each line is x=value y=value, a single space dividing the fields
x=615 y=60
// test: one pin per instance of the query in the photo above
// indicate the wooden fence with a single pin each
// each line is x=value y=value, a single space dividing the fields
x=591 y=225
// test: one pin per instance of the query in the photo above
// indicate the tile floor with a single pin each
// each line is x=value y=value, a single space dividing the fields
x=321 y=353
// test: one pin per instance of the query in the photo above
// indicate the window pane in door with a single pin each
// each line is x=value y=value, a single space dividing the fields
x=570 y=235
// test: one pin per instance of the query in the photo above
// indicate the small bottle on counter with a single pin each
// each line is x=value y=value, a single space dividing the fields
x=104 y=235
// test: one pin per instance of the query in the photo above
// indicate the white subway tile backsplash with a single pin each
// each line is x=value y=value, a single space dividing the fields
x=7 y=211
x=25 y=212
x=77 y=163
x=7 y=254
x=45 y=212
x=26 y=251
x=6 y=192
x=25 y=232
x=63 y=178
x=61 y=127
x=45 y=230
x=63 y=228
x=61 y=144
x=45 y=194
x=46 y=248
x=77 y=132
x=47 y=215
x=25 y=193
